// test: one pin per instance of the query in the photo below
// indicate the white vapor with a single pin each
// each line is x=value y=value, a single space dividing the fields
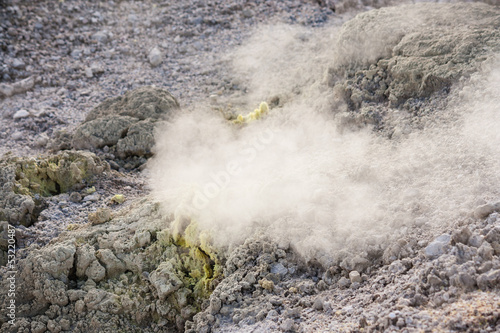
x=299 y=178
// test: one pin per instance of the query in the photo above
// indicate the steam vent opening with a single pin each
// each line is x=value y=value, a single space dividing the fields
x=235 y=166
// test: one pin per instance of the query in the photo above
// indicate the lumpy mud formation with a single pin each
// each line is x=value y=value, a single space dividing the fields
x=125 y=124
x=26 y=181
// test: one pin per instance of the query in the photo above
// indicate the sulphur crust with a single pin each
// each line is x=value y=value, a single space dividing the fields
x=254 y=115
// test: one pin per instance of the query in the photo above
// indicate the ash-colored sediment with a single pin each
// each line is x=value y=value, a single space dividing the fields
x=125 y=124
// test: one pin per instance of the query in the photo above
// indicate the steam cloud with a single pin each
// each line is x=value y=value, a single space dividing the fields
x=299 y=178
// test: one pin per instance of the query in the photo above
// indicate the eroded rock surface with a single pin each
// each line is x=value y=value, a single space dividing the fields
x=132 y=270
x=125 y=124
x=397 y=53
x=26 y=181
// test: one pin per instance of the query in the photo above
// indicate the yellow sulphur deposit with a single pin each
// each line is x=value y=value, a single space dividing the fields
x=256 y=114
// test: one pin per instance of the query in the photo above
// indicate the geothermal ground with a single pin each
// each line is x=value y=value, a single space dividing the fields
x=249 y=166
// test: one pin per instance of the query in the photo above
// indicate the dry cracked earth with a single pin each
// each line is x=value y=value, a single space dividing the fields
x=88 y=89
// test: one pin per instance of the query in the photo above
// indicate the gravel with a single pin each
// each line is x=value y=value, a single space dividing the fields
x=126 y=44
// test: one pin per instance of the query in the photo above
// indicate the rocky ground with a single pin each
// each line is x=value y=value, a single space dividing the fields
x=84 y=84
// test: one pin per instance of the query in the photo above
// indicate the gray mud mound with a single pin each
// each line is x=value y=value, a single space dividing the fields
x=130 y=274
x=142 y=103
x=144 y=272
x=26 y=181
x=397 y=53
x=124 y=125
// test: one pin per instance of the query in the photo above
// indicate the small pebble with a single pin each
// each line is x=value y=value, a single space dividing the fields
x=484 y=210
x=272 y=314
x=100 y=37
x=318 y=304
x=438 y=246
x=18 y=64
x=76 y=53
x=17 y=136
x=287 y=325
x=461 y=236
x=355 y=277
x=21 y=114
x=102 y=215
x=88 y=72
x=118 y=199
x=42 y=141
x=113 y=165
x=92 y=197
x=344 y=282
x=279 y=269
x=248 y=13
x=476 y=240
x=266 y=284
x=155 y=57
x=75 y=197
